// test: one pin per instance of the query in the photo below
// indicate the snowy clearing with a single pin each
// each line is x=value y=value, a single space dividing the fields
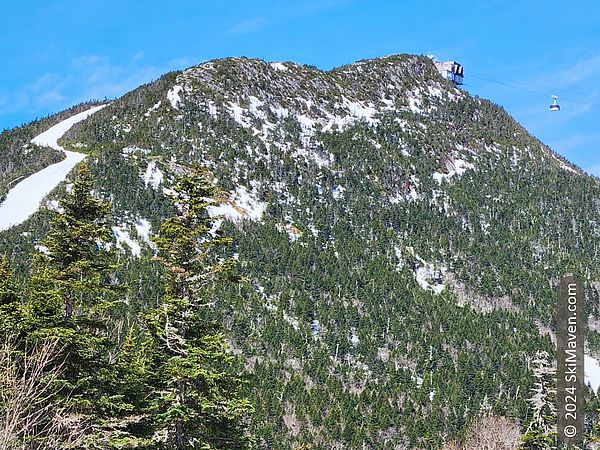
x=24 y=199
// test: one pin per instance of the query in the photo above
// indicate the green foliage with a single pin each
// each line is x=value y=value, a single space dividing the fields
x=76 y=259
x=11 y=311
x=71 y=292
x=196 y=402
x=345 y=348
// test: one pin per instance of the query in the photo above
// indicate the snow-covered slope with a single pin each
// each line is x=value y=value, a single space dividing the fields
x=24 y=199
x=50 y=137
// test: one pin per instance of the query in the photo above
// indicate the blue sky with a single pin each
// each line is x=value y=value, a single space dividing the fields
x=59 y=52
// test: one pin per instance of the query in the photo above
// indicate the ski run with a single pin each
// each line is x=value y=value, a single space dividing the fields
x=24 y=199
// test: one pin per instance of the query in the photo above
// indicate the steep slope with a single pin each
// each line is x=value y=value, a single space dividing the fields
x=24 y=198
x=403 y=240
x=20 y=157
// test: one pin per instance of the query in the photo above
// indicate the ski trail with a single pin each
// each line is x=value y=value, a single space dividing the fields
x=24 y=198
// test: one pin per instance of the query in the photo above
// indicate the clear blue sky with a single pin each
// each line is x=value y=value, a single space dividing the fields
x=55 y=53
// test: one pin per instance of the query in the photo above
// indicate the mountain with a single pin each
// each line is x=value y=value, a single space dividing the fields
x=402 y=239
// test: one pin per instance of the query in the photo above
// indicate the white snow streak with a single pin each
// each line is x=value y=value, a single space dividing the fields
x=564 y=166
x=50 y=137
x=24 y=199
x=122 y=237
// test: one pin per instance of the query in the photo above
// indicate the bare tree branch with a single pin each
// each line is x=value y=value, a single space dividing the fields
x=33 y=413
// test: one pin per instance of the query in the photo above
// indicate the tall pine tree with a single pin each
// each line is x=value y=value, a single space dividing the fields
x=196 y=403
x=72 y=288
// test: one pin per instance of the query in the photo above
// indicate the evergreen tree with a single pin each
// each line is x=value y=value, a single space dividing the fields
x=77 y=257
x=71 y=290
x=541 y=431
x=11 y=310
x=196 y=402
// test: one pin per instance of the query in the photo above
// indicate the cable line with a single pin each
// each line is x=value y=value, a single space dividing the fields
x=523 y=88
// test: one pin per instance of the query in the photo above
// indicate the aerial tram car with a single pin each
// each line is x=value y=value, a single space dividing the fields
x=453 y=71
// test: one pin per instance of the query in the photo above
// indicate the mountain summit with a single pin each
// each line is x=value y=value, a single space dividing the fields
x=402 y=239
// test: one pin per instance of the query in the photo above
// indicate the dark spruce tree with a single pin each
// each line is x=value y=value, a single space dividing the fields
x=11 y=311
x=71 y=292
x=196 y=402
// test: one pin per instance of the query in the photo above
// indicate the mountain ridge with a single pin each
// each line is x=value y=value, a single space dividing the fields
x=401 y=238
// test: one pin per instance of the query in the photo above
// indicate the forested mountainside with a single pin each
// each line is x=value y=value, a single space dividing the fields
x=402 y=240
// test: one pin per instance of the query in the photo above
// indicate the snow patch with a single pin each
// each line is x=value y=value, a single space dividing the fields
x=415 y=101
x=456 y=167
x=360 y=111
x=54 y=205
x=429 y=276
x=410 y=192
x=434 y=91
x=354 y=340
x=292 y=231
x=398 y=252
x=153 y=176
x=280 y=111
x=419 y=381
x=279 y=66
x=131 y=152
x=315 y=327
x=42 y=249
x=338 y=192
x=291 y=320
x=212 y=109
x=240 y=205
x=122 y=237
x=592 y=372
x=237 y=112
x=143 y=229
x=320 y=160
x=174 y=97
x=255 y=107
